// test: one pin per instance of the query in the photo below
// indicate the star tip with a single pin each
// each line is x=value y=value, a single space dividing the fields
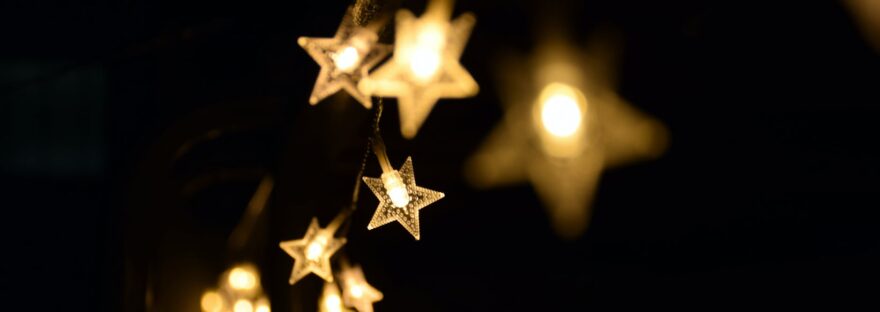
x=291 y=281
x=302 y=41
x=313 y=101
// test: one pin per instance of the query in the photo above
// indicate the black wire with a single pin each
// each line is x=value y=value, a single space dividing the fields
x=355 y=194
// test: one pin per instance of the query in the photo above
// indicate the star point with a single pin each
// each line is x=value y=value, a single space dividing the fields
x=407 y=215
x=312 y=253
x=345 y=60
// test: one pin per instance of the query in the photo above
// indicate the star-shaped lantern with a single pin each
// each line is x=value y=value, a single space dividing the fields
x=330 y=300
x=312 y=253
x=563 y=125
x=356 y=292
x=399 y=198
x=344 y=59
x=424 y=67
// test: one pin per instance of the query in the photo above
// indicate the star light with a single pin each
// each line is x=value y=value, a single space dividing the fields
x=399 y=198
x=312 y=253
x=563 y=125
x=330 y=300
x=356 y=292
x=345 y=59
x=425 y=66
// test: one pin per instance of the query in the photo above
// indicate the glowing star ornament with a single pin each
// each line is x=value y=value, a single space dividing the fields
x=399 y=198
x=330 y=300
x=563 y=125
x=425 y=66
x=312 y=253
x=345 y=59
x=356 y=292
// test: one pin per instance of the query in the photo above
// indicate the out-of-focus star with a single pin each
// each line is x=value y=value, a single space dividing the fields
x=400 y=199
x=312 y=253
x=563 y=125
x=356 y=292
x=330 y=300
x=345 y=59
x=425 y=66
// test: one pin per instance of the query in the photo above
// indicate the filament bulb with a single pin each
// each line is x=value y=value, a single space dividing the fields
x=347 y=59
x=316 y=248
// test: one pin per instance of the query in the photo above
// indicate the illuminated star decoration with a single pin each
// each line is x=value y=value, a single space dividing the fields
x=408 y=215
x=344 y=59
x=563 y=125
x=424 y=67
x=330 y=300
x=312 y=253
x=356 y=292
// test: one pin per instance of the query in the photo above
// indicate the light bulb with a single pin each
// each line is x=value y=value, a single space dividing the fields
x=560 y=112
x=332 y=303
x=211 y=302
x=395 y=188
x=356 y=291
x=424 y=59
x=242 y=278
x=263 y=305
x=316 y=248
x=347 y=59
x=243 y=305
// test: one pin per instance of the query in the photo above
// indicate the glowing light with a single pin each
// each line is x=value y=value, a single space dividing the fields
x=312 y=253
x=395 y=188
x=212 y=302
x=407 y=215
x=560 y=112
x=316 y=248
x=347 y=59
x=356 y=292
x=425 y=65
x=243 y=305
x=425 y=55
x=330 y=299
x=242 y=278
x=263 y=305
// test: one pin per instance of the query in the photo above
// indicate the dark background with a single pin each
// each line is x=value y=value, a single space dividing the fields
x=134 y=133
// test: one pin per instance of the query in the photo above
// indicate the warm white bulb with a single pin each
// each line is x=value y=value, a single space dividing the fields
x=212 y=302
x=243 y=305
x=395 y=188
x=424 y=59
x=241 y=278
x=332 y=303
x=561 y=115
x=347 y=59
x=316 y=248
x=356 y=291
x=263 y=308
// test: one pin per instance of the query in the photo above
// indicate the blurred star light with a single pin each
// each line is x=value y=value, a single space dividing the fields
x=425 y=66
x=312 y=253
x=345 y=59
x=563 y=125
x=356 y=292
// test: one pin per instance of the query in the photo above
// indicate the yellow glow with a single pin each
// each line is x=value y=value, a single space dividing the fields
x=347 y=60
x=262 y=305
x=243 y=305
x=395 y=188
x=242 y=278
x=212 y=302
x=331 y=302
x=560 y=112
x=356 y=291
x=316 y=248
x=560 y=115
x=424 y=58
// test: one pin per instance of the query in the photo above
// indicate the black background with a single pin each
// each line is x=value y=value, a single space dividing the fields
x=134 y=133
